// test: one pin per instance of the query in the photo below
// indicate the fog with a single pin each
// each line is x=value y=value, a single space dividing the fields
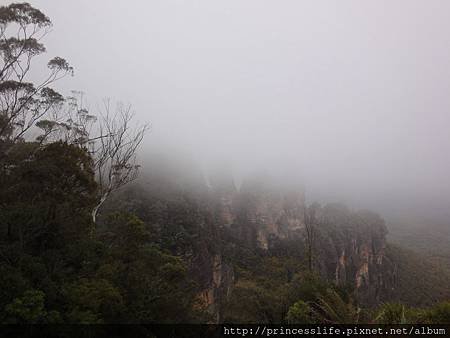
x=351 y=97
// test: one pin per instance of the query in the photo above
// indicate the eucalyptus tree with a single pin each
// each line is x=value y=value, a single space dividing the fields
x=110 y=137
x=23 y=102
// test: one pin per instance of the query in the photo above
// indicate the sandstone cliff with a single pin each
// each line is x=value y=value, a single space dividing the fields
x=349 y=247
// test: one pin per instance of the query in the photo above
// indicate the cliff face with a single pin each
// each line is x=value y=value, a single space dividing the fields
x=273 y=211
x=211 y=225
x=216 y=279
x=351 y=250
x=349 y=247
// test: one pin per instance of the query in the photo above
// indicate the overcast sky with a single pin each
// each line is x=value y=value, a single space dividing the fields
x=352 y=95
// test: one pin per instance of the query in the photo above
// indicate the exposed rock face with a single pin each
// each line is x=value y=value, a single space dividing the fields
x=270 y=211
x=349 y=248
x=352 y=252
x=218 y=279
x=224 y=196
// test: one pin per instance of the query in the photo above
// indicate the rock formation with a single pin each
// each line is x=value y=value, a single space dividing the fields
x=349 y=246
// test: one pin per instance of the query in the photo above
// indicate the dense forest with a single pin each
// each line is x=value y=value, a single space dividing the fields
x=84 y=240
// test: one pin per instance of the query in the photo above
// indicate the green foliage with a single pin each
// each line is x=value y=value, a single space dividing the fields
x=93 y=301
x=300 y=313
x=438 y=314
x=251 y=303
x=420 y=280
x=332 y=308
x=268 y=286
x=45 y=199
x=392 y=313
x=23 y=13
x=30 y=308
x=53 y=269
x=398 y=313
x=157 y=287
x=307 y=287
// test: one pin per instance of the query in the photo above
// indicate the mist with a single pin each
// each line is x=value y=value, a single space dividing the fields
x=350 y=97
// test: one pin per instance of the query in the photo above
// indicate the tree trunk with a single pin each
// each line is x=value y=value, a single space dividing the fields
x=310 y=260
x=97 y=208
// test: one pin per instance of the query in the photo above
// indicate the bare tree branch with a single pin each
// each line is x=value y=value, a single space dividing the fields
x=111 y=139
